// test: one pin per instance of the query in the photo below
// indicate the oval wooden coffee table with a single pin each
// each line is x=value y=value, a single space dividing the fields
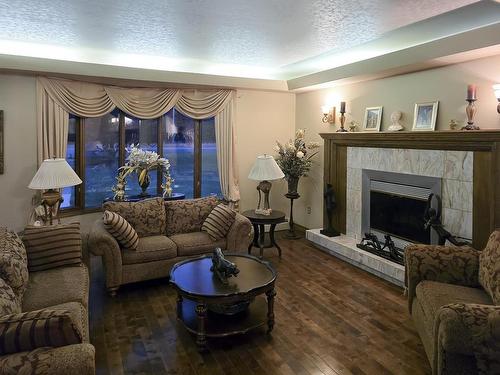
x=199 y=292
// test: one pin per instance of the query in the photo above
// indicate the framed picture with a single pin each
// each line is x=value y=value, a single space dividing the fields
x=1 y=143
x=425 y=116
x=373 y=119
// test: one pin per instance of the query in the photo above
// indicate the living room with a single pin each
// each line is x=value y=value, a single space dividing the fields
x=343 y=156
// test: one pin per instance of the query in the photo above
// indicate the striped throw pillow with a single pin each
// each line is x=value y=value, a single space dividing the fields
x=121 y=230
x=53 y=246
x=36 y=329
x=218 y=222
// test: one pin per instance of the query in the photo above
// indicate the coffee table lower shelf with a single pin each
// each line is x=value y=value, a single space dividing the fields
x=218 y=325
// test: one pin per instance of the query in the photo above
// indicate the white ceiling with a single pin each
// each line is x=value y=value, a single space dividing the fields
x=245 y=38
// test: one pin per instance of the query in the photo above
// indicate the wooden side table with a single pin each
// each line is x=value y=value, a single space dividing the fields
x=259 y=222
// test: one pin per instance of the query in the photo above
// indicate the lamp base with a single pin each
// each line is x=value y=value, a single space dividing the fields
x=51 y=201
x=263 y=211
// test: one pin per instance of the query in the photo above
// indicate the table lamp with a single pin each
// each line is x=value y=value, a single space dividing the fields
x=263 y=170
x=53 y=174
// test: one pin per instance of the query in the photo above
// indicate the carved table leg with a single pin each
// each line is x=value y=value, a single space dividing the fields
x=255 y=241
x=273 y=241
x=262 y=237
x=179 y=306
x=201 y=338
x=270 y=309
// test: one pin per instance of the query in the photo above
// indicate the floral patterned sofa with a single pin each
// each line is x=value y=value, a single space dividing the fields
x=454 y=299
x=40 y=310
x=169 y=231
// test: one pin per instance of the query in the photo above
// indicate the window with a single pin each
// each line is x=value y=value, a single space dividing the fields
x=97 y=147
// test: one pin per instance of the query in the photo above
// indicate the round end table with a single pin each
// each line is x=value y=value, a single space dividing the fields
x=259 y=222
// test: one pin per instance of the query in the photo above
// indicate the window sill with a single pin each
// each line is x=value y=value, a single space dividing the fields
x=69 y=212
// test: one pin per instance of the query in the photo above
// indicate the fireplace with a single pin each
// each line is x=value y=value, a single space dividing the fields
x=394 y=204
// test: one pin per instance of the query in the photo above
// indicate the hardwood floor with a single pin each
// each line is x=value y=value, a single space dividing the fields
x=331 y=318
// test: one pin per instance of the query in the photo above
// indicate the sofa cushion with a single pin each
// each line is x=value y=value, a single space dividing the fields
x=121 y=230
x=51 y=327
x=218 y=222
x=489 y=267
x=53 y=246
x=432 y=295
x=196 y=243
x=56 y=286
x=150 y=249
x=13 y=262
x=188 y=215
x=9 y=302
x=147 y=217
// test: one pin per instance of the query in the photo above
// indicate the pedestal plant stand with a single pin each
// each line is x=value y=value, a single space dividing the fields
x=292 y=195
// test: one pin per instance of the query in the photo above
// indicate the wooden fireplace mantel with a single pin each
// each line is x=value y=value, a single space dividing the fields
x=485 y=144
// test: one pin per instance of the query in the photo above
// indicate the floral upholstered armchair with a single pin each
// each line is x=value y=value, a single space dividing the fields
x=454 y=299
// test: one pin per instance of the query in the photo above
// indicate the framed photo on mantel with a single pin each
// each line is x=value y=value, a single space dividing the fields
x=373 y=119
x=425 y=115
x=1 y=143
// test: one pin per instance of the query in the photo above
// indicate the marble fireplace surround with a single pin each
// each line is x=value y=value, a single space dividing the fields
x=468 y=164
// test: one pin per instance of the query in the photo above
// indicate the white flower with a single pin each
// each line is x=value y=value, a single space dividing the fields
x=300 y=133
x=300 y=154
x=277 y=148
x=290 y=146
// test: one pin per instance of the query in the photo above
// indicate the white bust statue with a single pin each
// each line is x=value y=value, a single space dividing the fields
x=395 y=124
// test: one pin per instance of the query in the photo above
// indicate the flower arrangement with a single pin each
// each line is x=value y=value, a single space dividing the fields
x=142 y=162
x=295 y=157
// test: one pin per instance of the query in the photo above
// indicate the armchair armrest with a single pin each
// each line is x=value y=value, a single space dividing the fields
x=240 y=234
x=470 y=329
x=100 y=242
x=446 y=264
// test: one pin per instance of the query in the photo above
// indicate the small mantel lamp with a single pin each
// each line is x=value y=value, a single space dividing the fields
x=265 y=169
x=53 y=174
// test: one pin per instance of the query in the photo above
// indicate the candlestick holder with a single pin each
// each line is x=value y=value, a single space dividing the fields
x=470 y=110
x=342 y=122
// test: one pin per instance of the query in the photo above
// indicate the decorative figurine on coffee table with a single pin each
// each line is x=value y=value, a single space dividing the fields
x=330 y=205
x=223 y=268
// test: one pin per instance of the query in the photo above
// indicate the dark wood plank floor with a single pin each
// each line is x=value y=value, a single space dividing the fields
x=331 y=318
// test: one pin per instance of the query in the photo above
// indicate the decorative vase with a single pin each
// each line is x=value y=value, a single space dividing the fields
x=144 y=183
x=293 y=183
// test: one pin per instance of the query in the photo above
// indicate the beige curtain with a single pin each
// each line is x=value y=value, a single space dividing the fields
x=226 y=153
x=143 y=102
x=52 y=126
x=200 y=105
x=59 y=97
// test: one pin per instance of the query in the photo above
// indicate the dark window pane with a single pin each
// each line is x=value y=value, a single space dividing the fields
x=142 y=134
x=69 y=193
x=209 y=172
x=178 y=147
x=101 y=157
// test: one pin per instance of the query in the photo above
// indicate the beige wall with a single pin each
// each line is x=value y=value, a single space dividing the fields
x=261 y=116
x=447 y=84
x=17 y=100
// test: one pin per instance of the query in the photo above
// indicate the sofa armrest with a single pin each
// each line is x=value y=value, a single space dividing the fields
x=70 y=359
x=469 y=329
x=240 y=234
x=445 y=264
x=101 y=243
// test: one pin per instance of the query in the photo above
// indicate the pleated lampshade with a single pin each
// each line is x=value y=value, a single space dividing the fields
x=54 y=174
x=265 y=168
